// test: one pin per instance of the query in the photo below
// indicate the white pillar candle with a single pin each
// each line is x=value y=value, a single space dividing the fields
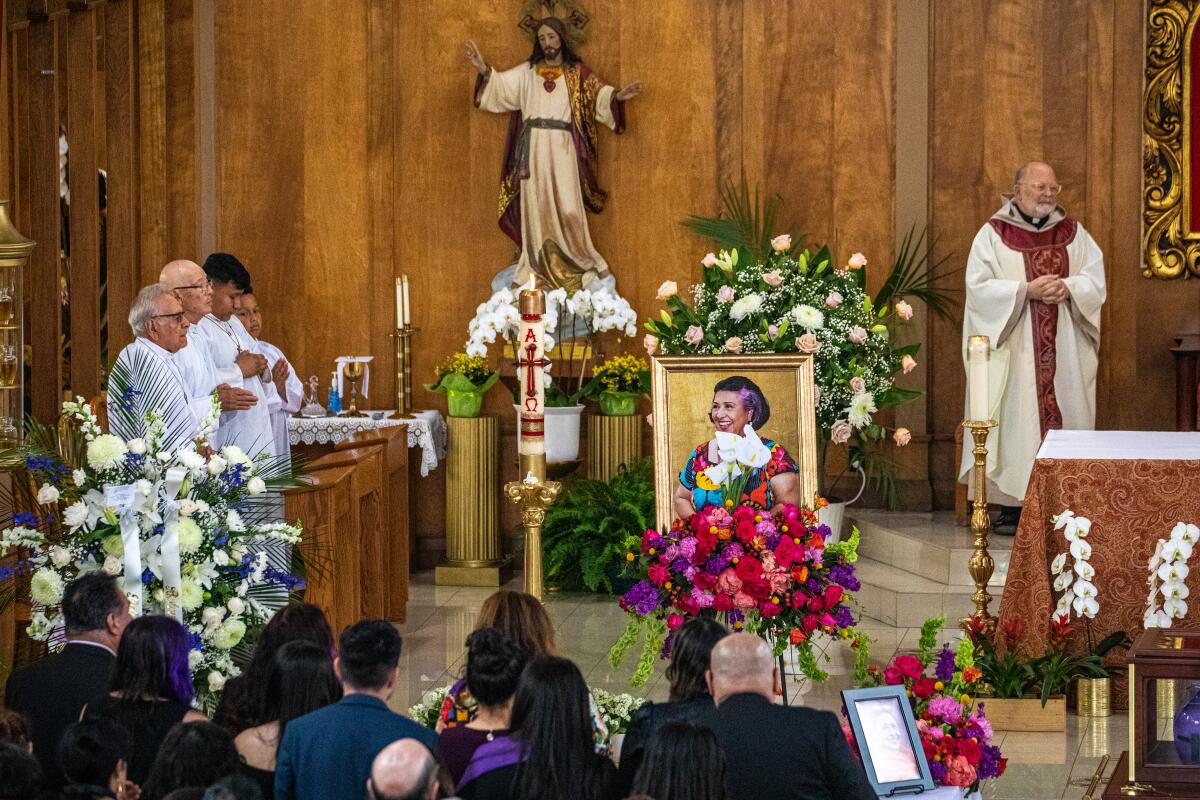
x=978 y=353
x=407 y=312
x=399 y=303
x=531 y=358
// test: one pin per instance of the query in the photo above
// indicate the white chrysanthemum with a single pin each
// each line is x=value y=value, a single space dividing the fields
x=745 y=306
x=808 y=317
x=190 y=536
x=40 y=627
x=861 y=407
x=219 y=558
x=256 y=485
x=113 y=545
x=75 y=515
x=191 y=595
x=137 y=446
x=191 y=459
x=105 y=452
x=229 y=634
x=233 y=521
x=46 y=587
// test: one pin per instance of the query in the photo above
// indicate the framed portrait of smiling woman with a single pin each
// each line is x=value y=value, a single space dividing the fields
x=698 y=399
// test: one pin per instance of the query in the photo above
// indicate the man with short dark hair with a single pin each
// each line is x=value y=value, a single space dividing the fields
x=327 y=755
x=403 y=770
x=51 y=692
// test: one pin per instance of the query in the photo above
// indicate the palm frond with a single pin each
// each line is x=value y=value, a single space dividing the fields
x=138 y=383
x=745 y=224
x=915 y=275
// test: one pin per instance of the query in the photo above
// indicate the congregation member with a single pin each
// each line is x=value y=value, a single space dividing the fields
x=20 y=774
x=327 y=755
x=235 y=787
x=92 y=757
x=146 y=377
x=151 y=688
x=52 y=691
x=404 y=769
x=300 y=681
x=244 y=701
x=15 y=728
x=285 y=392
x=234 y=357
x=187 y=281
x=1035 y=287
x=683 y=761
x=688 y=697
x=775 y=751
x=193 y=754
x=550 y=752
x=494 y=666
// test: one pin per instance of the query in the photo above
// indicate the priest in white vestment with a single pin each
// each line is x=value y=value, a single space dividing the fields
x=1035 y=286
x=235 y=361
x=146 y=376
x=549 y=179
x=285 y=392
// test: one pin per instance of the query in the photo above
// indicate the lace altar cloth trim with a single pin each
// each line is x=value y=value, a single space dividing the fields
x=426 y=430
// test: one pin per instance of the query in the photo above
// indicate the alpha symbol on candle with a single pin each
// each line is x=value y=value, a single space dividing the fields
x=529 y=361
x=530 y=335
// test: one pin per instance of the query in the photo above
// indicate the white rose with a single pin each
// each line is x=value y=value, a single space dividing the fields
x=189 y=458
x=59 y=556
x=216 y=465
x=79 y=476
x=235 y=455
x=136 y=446
x=212 y=617
x=235 y=605
x=201 y=506
x=195 y=657
x=216 y=681
x=47 y=494
x=256 y=485
x=75 y=515
x=219 y=558
x=187 y=507
x=113 y=565
x=164 y=456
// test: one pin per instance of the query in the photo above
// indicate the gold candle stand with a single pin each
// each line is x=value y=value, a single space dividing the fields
x=474 y=554
x=982 y=564
x=533 y=494
x=403 y=340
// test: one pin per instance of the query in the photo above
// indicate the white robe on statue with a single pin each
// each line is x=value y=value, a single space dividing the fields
x=249 y=429
x=281 y=408
x=997 y=307
x=156 y=384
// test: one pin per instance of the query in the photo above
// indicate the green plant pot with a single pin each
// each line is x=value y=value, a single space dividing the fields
x=464 y=404
x=618 y=404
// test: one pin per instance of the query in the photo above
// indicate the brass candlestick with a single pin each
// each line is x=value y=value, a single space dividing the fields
x=403 y=342
x=982 y=564
x=354 y=373
x=533 y=495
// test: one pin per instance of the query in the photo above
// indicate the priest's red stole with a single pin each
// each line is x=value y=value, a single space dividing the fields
x=1045 y=253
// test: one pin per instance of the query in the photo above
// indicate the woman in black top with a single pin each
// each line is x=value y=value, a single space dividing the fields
x=300 y=680
x=689 y=697
x=92 y=757
x=551 y=752
x=193 y=754
x=151 y=688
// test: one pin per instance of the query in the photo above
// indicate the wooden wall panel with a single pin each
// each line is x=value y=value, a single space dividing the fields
x=122 y=215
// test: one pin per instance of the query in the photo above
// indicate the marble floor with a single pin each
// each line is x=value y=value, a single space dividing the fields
x=1041 y=766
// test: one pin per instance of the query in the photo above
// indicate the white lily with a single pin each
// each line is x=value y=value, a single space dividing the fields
x=723 y=472
x=751 y=452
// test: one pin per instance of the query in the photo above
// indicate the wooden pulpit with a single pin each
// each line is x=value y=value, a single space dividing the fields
x=324 y=503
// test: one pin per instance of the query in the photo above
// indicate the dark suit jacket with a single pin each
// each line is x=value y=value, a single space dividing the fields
x=782 y=752
x=327 y=755
x=644 y=723
x=51 y=693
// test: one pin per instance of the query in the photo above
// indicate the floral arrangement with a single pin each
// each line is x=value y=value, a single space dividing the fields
x=185 y=530
x=621 y=373
x=955 y=732
x=429 y=709
x=616 y=709
x=770 y=572
x=474 y=368
x=464 y=379
x=1169 y=564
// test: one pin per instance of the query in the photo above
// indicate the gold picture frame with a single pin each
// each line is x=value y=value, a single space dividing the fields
x=682 y=393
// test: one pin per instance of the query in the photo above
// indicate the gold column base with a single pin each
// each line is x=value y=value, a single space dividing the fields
x=611 y=442
x=487 y=575
x=472 y=505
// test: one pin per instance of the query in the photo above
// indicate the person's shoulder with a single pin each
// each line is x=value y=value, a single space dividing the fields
x=807 y=719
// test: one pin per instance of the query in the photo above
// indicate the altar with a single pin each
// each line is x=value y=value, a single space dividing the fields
x=1134 y=486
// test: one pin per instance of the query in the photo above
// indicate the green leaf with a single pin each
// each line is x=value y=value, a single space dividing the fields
x=895 y=396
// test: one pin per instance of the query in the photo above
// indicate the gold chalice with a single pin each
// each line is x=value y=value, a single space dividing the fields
x=354 y=373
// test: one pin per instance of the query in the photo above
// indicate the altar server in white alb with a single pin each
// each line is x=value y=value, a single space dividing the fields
x=235 y=360
x=285 y=392
x=146 y=376
x=1035 y=285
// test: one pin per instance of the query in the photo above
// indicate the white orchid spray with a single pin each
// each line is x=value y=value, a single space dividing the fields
x=739 y=457
x=1169 y=565
x=1077 y=584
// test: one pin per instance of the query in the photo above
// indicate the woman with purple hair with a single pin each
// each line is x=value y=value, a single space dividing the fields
x=151 y=689
x=737 y=404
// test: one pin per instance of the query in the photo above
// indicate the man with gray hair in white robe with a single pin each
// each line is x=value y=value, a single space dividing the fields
x=1035 y=287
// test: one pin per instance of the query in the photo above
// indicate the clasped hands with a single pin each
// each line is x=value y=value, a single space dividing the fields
x=1048 y=289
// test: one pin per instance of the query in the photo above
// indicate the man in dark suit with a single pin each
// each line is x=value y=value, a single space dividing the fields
x=774 y=751
x=51 y=692
x=327 y=755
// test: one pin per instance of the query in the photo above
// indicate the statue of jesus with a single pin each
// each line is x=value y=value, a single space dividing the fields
x=549 y=181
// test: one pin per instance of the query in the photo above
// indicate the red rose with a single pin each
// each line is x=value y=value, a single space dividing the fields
x=970 y=751
x=909 y=666
x=892 y=677
x=744 y=514
x=748 y=568
x=688 y=606
x=744 y=530
x=797 y=636
x=923 y=688
x=799 y=599
x=756 y=588
x=722 y=602
x=788 y=551
x=704 y=581
x=816 y=603
x=832 y=595
x=658 y=574
x=769 y=609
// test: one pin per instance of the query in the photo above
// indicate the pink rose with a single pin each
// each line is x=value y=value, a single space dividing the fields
x=728 y=582
x=709 y=260
x=694 y=335
x=816 y=394
x=667 y=289
x=650 y=343
x=902 y=436
x=781 y=243
x=840 y=432
x=833 y=300
x=858 y=385
x=959 y=771
x=650 y=420
x=857 y=261
x=674 y=621
x=908 y=364
x=807 y=343
x=903 y=310
x=734 y=344
x=773 y=278
x=772 y=331
x=725 y=294
x=856 y=335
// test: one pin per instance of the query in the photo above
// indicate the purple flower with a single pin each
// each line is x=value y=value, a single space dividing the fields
x=844 y=617
x=668 y=643
x=843 y=575
x=945 y=665
x=989 y=762
x=687 y=547
x=812 y=585
x=773 y=541
x=690 y=572
x=642 y=599
x=715 y=565
x=732 y=550
x=680 y=564
x=937 y=771
x=702 y=598
x=946 y=708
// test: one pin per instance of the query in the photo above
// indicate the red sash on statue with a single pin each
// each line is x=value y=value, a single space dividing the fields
x=1045 y=253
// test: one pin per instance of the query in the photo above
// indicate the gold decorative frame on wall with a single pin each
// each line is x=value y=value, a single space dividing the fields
x=1170 y=238
x=682 y=394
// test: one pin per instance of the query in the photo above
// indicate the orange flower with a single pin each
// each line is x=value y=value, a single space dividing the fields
x=971 y=674
x=724 y=533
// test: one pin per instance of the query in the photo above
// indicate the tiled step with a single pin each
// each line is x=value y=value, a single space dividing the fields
x=927 y=544
x=896 y=597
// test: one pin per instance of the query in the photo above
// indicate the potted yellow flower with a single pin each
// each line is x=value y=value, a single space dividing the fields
x=617 y=383
x=464 y=380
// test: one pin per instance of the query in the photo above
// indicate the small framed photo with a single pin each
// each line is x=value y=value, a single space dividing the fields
x=886 y=731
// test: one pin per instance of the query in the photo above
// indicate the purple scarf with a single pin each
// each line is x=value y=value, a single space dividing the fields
x=501 y=752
